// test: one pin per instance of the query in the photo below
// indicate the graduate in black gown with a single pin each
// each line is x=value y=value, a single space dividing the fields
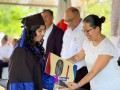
x=26 y=70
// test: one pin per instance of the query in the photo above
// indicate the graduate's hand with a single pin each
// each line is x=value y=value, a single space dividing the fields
x=72 y=85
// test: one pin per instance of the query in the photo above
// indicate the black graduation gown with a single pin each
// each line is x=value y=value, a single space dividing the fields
x=24 y=71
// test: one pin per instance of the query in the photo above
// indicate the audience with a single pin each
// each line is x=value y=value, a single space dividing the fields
x=5 y=52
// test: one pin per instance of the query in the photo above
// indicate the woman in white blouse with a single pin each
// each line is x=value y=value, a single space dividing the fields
x=100 y=57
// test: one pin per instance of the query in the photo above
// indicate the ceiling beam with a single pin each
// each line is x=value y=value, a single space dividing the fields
x=28 y=4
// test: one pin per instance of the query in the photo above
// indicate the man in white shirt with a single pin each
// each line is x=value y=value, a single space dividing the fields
x=5 y=52
x=53 y=35
x=73 y=40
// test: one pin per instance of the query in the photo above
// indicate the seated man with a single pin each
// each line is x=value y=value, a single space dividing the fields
x=5 y=52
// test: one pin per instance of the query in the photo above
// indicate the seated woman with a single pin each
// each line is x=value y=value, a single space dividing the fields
x=26 y=71
x=5 y=52
x=14 y=42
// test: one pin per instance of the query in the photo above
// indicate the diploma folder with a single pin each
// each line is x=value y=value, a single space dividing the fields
x=56 y=66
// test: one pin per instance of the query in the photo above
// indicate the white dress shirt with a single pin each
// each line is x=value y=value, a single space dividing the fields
x=47 y=33
x=6 y=51
x=72 y=43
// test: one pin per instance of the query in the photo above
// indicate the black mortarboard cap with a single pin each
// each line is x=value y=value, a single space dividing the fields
x=33 y=20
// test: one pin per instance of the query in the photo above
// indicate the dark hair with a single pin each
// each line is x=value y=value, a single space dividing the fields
x=48 y=10
x=31 y=44
x=94 y=20
x=16 y=40
x=5 y=37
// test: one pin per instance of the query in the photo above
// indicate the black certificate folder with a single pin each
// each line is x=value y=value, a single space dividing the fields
x=3 y=83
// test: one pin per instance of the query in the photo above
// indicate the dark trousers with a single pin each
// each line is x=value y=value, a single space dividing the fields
x=2 y=64
x=80 y=74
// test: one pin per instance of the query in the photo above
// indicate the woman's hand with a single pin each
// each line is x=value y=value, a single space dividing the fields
x=72 y=85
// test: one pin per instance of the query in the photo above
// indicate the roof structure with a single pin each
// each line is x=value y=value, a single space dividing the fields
x=42 y=3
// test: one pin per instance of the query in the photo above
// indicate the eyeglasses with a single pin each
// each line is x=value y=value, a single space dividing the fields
x=87 y=31
x=71 y=20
